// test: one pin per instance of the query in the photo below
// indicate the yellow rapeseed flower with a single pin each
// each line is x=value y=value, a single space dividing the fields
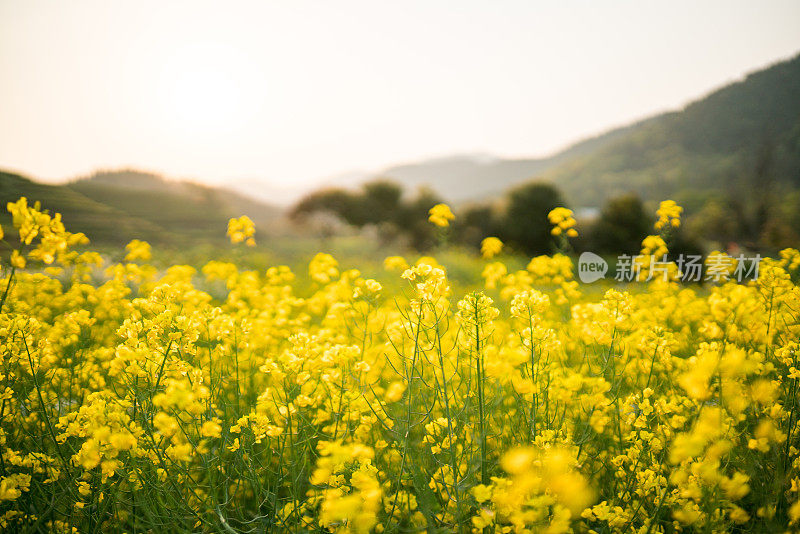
x=242 y=230
x=669 y=215
x=552 y=408
x=138 y=250
x=562 y=221
x=440 y=215
x=395 y=263
x=491 y=247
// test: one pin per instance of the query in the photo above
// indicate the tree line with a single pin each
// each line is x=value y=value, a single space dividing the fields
x=519 y=219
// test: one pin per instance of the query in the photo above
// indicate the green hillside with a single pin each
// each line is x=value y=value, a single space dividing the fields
x=115 y=207
x=102 y=223
x=742 y=141
x=182 y=208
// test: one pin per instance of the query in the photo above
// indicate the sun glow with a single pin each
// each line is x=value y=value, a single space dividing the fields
x=289 y=94
x=206 y=89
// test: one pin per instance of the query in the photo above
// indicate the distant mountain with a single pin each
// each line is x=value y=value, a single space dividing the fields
x=117 y=206
x=729 y=141
x=176 y=206
x=469 y=177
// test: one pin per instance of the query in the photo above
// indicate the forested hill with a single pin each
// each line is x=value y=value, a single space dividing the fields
x=741 y=140
x=744 y=135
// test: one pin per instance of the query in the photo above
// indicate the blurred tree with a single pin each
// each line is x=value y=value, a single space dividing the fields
x=413 y=219
x=783 y=225
x=622 y=225
x=337 y=201
x=682 y=243
x=380 y=202
x=473 y=224
x=718 y=220
x=525 y=223
x=761 y=188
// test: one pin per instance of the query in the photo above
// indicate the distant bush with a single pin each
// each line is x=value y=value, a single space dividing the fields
x=524 y=223
x=380 y=203
x=622 y=223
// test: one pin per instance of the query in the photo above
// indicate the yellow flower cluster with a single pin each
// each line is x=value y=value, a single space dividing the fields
x=395 y=263
x=669 y=215
x=563 y=222
x=323 y=268
x=491 y=247
x=351 y=494
x=440 y=215
x=542 y=488
x=220 y=398
x=138 y=251
x=242 y=230
x=54 y=242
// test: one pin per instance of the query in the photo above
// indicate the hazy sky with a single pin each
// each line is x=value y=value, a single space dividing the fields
x=295 y=91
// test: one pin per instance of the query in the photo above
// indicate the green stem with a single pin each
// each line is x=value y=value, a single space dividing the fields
x=481 y=379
